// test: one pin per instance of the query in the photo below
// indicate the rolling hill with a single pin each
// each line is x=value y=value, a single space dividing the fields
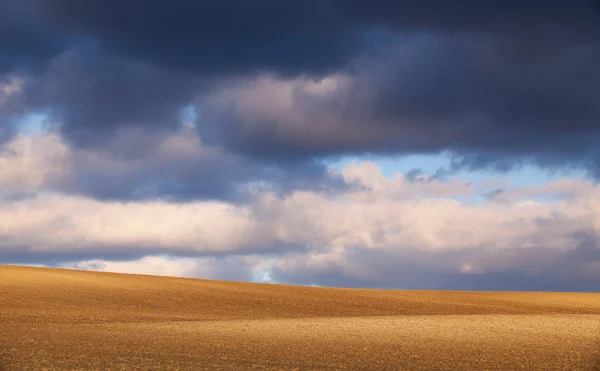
x=57 y=319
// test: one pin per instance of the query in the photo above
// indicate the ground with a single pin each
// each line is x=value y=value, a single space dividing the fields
x=55 y=319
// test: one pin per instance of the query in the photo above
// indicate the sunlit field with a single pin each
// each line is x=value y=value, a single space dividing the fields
x=54 y=319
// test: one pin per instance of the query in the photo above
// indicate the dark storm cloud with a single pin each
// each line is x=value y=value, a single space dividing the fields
x=25 y=42
x=482 y=100
x=497 y=83
x=293 y=36
x=476 y=16
x=24 y=46
x=95 y=95
x=227 y=37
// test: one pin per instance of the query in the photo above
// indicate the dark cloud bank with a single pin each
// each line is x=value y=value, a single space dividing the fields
x=496 y=82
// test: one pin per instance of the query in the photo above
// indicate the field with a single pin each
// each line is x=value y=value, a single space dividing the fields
x=54 y=319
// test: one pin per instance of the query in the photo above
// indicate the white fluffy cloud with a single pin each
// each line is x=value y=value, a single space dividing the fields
x=393 y=231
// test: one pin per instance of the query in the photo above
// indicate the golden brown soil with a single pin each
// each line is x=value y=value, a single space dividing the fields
x=54 y=319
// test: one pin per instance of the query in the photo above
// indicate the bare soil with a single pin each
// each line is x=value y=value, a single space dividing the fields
x=56 y=319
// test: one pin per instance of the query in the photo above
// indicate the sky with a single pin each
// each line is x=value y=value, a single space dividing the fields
x=411 y=145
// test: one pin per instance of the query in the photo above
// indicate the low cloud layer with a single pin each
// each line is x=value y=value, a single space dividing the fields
x=397 y=232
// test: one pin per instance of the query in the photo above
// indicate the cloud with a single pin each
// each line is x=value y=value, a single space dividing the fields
x=121 y=174
x=97 y=97
x=487 y=106
x=26 y=42
x=178 y=167
x=389 y=234
x=565 y=188
x=290 y=37
x=414 y=269
x=10 y=87
x=230 y=37
x=30 y=164
x=496 y=84
x=61 y=225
